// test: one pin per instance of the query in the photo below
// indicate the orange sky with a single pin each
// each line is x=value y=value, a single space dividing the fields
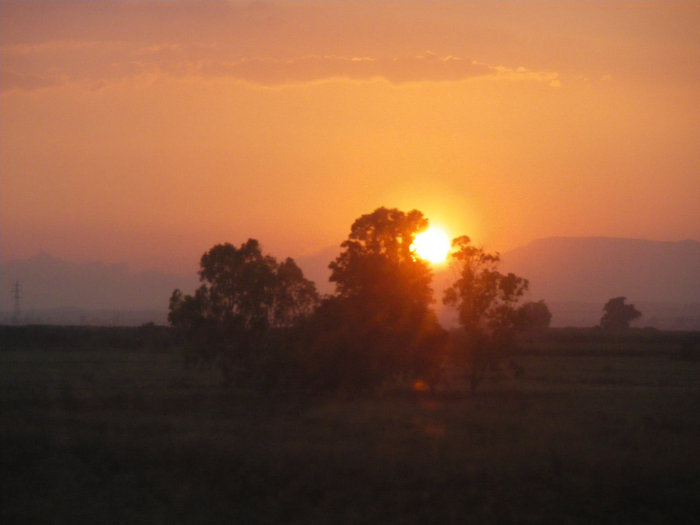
x=146 y=132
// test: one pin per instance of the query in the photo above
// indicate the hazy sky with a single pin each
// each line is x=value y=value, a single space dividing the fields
x=146 y=132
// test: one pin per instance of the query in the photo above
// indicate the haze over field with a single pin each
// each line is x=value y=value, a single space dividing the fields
x=575 y=276
x=595 y=269
x=146 y=132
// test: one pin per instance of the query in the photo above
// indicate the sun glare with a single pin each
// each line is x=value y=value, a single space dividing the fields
x=432 y=245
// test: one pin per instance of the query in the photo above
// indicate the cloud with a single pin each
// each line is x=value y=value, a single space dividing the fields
x=10 y=80
x=424 y=68
x=94 y=64
x=521 y=73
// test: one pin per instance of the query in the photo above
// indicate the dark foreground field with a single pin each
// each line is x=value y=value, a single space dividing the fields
x=131 y=436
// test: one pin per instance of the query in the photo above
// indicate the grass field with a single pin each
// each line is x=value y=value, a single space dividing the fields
x=125 y=436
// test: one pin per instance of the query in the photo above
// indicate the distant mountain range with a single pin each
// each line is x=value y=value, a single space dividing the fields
x=574 y=275
x=594 y=269
x=54 y=290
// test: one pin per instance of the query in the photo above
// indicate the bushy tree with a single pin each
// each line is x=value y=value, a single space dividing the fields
x=379 y=323
x=486 y=301
x=377 y=261
x=244 y=295
x=618 y=315
x=534 y=317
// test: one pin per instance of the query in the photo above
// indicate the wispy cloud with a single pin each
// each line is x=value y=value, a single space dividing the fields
x=521 y=73
x=10 y=80
x=424 y=68
x=27 y=67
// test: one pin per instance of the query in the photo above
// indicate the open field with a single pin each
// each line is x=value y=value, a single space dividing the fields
x=132 y=436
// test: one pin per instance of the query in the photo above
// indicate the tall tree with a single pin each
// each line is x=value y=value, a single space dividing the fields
x=381 y=310
x=487 y=306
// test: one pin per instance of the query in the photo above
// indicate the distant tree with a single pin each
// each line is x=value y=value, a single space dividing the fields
x=380 y=321
x=534 y=316
x=244 y=294
x=487 y=306
x=618 y=315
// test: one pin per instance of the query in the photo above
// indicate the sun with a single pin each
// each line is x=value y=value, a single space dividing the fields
x=432 y=245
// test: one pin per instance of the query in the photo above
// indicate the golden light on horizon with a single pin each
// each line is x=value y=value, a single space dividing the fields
x=489 y=132
x=432 y=245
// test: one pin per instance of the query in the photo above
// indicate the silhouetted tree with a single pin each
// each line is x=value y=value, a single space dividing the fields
x=618 y=315
x=487 y=306
x=377 y=260
x=244 y=295
x=379 y=324
x=534 y=316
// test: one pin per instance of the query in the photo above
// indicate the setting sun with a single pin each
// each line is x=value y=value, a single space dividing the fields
x=433 y=245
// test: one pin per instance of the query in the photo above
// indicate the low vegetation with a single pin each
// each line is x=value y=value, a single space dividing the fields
x=112 y=434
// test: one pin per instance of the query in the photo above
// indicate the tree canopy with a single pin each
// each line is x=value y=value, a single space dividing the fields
x=486 y=301
x=243 y=294
x=377 y=260
x=534 y=316
x=618 y=314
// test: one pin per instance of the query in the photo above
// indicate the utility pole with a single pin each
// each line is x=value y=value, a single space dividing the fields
x=17 y=295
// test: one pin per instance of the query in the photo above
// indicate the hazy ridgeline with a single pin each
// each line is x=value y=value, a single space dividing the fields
x=661 y=278
x=109 y=425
